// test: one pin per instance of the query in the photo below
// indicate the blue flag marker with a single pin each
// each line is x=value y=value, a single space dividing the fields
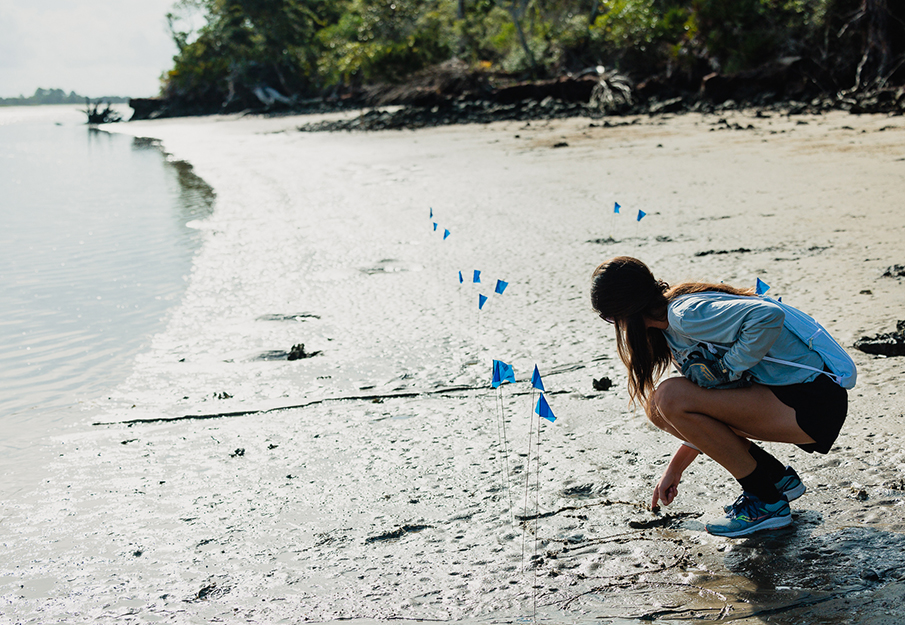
x=446 y=233
x=502 y=373
x=482 y=299
x=460 y=278
x=501 y=286
x=641 y=215
x=432 y=212
x=477 y=277
x=536 y=382
x=616 y=209
x=543 y=409
x=762 y=287
x=435 y=226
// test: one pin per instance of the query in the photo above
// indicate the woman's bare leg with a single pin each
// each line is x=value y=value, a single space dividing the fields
x=712 y=419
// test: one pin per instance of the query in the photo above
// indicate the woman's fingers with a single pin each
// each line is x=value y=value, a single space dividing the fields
x=671 y=493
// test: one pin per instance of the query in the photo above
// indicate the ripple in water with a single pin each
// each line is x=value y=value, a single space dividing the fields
x=98 y=239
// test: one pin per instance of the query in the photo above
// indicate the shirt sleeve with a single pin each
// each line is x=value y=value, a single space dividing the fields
x=747 y=327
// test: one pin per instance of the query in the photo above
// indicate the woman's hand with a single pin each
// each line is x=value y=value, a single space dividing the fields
x=667 y=488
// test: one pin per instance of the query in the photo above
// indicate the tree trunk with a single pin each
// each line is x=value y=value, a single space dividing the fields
x=517 y=12
x=876 y=50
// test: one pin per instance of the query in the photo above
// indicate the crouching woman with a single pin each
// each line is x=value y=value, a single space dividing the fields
x=729 y=395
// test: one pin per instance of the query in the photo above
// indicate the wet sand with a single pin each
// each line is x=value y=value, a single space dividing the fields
x=385 y=493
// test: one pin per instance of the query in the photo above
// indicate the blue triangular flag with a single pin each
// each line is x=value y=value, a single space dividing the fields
x=482 y=299
x=641 y=215
x=543 y=409
x=501 y=286
x=502 y=373
x=435 y=226
x=507 y=373
x=461 y=280
x=477 y=276
x=616 y=209
x=445 y=234
x=536 y=382
x=762 y=287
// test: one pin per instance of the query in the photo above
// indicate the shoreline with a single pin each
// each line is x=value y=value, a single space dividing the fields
x=401 y=508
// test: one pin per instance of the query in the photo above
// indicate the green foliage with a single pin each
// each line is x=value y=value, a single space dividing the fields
x=246 y=44
x=386 y=40
x=642 y=34
x=306 y=47
x=739 y=34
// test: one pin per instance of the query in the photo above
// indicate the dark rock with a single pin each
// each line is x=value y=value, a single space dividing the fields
x=298 y=352
x=870 y=575
x=603 y=384
x=896 y=271
x=210 y=591
x=888 y=344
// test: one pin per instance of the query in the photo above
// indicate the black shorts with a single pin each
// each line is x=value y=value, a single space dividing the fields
x=820 y=408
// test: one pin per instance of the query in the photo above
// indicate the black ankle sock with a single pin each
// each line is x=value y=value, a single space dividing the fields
x=759 y=484
x=775 y=470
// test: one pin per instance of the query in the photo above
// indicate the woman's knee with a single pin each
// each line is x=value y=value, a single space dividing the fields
x=671 y=398
x=654 y=416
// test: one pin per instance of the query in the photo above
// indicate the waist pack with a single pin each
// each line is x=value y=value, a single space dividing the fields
x=841 y=366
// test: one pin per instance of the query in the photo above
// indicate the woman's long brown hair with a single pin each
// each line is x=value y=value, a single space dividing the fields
x=625 y=291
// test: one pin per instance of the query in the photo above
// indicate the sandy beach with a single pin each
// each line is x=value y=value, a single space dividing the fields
x=370 y=482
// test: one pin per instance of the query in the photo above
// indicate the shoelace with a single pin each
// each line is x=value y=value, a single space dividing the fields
x=737 y=506
x=748 y=509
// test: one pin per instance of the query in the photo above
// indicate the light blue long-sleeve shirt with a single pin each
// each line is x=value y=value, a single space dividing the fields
x=743 y=330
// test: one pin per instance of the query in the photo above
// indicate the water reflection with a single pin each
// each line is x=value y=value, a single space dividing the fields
x=195 y=195
x=792 y=570
x=94 y=252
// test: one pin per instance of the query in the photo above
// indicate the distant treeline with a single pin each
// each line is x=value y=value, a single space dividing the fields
x=55 y=96
x=253 y=51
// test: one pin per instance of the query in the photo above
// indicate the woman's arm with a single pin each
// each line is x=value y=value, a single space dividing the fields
x=668 y=486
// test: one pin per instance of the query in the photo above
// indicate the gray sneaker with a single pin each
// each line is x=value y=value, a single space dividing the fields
x=752 y=515
x=789 y=485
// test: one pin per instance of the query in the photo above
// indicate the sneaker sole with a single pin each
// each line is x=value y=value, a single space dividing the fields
x=768 y=524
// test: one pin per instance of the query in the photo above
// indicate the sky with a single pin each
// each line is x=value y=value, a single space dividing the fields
x=93 y=47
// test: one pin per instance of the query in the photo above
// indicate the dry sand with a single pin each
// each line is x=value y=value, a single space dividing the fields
x=399 y=508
